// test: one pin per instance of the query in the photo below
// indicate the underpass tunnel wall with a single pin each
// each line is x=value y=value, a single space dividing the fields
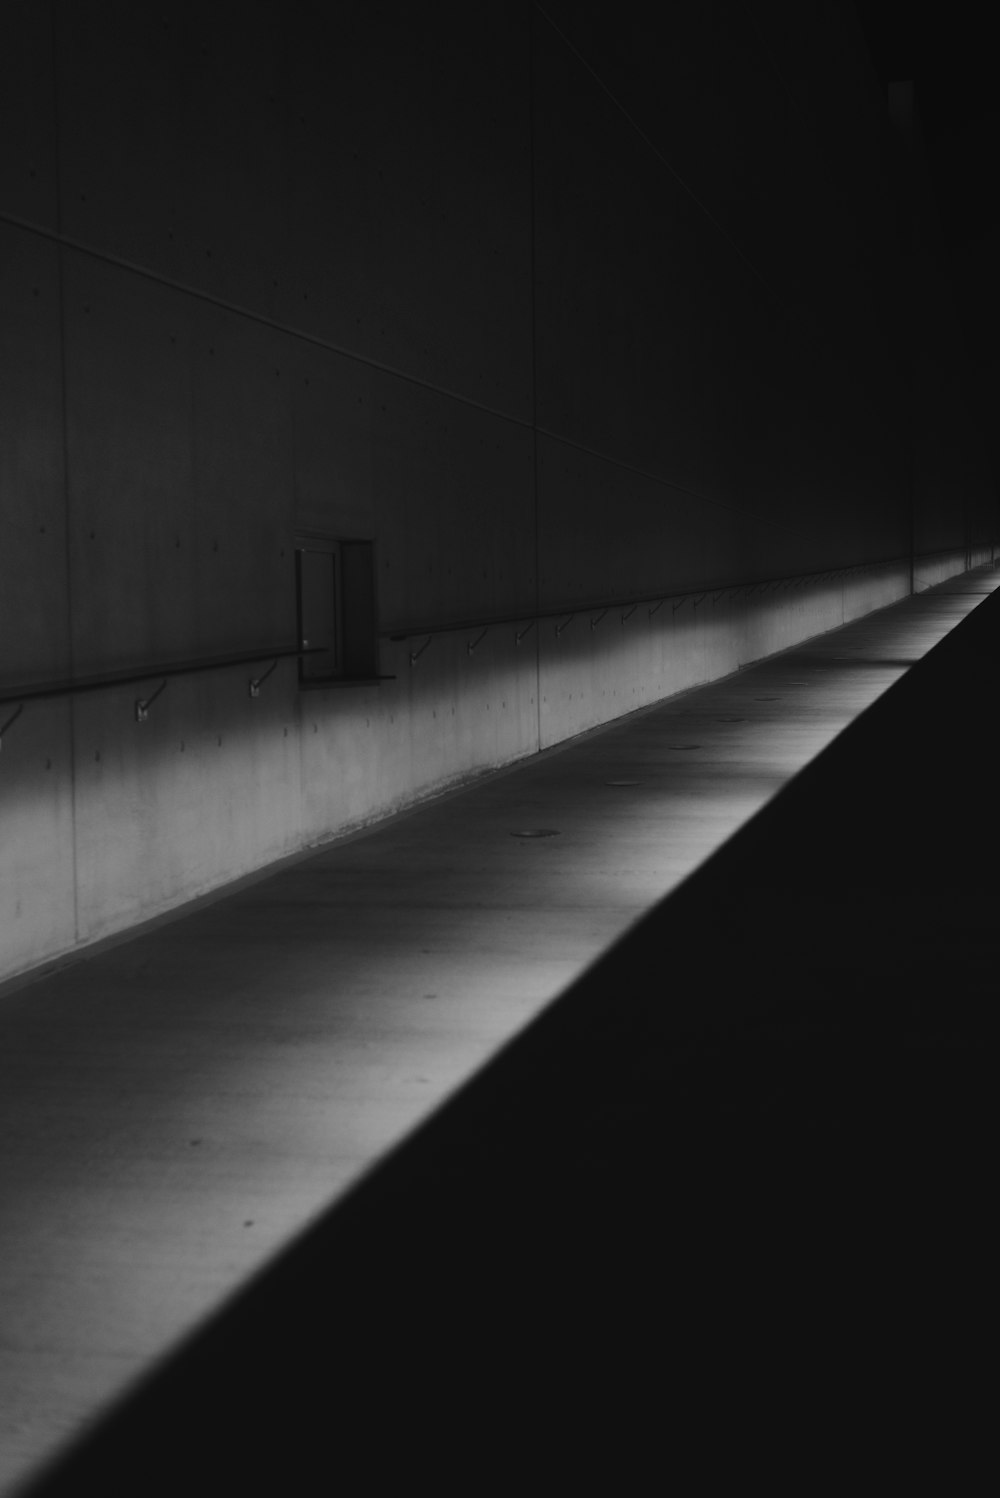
x=555 y=314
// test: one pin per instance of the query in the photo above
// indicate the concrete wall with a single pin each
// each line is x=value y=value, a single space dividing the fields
x=953 y=463
x=559 y=307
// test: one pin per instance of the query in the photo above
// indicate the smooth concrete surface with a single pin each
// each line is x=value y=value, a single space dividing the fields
x=548 y=309
x=179 y=1107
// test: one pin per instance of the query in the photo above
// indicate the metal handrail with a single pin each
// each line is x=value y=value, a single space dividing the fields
x=71 y=686
x=603 y=605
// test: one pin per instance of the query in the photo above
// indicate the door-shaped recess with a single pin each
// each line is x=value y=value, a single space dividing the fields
x=335 y=585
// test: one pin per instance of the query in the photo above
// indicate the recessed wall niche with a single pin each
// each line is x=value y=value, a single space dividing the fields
x=337 y=618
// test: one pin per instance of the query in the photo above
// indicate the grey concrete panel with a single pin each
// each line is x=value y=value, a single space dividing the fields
x=606 y=531
x=407 y=195
x=275 y=167
x=701 y=85
x=930 y=570
x=951 y=486
x=369 y=751
x=471 y=712
x=34 y=635
x=781 y=294
x=180 y=474
x=453 y=491
x=28 y=177
x=243 y=481
x=352 y=756
x=694 y=82
x=204 y=791
x=170 y=144
x=36 y=836
x=129 y=357
x=822 y=60
x=620 y=363
x=333 y=451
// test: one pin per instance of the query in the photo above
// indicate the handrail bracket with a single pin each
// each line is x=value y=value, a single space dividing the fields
x=143 y=704
x=256 y=682
x=10 y=721
x=416 y=654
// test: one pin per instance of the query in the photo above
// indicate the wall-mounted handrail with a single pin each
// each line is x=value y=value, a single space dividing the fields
x=33 y=691
x=71 y=686
x=602 y=605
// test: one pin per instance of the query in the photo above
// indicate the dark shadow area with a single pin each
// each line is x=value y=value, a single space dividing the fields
x=733 y=1184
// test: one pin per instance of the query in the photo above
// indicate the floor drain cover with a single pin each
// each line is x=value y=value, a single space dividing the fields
x=623 y=782
x=537 y=832
x=767 y=699
x=685 y=746
x=730 y=720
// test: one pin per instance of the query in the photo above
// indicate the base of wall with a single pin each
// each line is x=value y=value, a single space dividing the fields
x=353 y=776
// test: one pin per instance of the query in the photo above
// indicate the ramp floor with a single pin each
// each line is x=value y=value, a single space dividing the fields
x=184 y=1113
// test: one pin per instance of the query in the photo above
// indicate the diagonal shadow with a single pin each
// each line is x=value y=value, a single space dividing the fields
x=752 y=1136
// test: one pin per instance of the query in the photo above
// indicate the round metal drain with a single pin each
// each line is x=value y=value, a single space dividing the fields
x=623 y=782
x=685 y=746
x=537 y=832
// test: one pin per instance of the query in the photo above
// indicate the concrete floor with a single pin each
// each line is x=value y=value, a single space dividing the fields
x=178 y=1108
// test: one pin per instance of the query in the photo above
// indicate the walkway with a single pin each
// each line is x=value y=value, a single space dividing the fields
x=180 y=1107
